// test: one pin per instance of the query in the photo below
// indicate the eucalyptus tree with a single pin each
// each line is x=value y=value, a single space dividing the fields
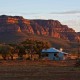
x=21 y=51
x=35 y=46
x=6 y=51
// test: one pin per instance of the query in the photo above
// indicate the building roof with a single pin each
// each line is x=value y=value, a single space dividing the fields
x=50 y=50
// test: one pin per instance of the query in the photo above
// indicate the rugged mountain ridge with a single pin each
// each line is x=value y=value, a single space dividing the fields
x=52 y=28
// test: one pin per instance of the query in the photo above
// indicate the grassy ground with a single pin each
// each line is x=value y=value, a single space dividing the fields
x=37 y=70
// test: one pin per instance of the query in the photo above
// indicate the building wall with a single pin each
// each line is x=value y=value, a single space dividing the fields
x=51 y=56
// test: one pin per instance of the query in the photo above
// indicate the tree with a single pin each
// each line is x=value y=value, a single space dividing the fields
x=21 y=51
x=35 y=46
x=6 y=51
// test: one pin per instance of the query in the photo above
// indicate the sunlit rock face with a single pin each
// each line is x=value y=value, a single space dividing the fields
x=52 y=28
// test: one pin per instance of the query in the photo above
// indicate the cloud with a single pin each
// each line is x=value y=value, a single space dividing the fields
x=66 y=12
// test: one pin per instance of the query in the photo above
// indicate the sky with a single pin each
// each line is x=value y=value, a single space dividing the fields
x=66 y=11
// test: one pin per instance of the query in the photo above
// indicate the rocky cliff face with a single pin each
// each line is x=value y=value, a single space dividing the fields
x=51 y=28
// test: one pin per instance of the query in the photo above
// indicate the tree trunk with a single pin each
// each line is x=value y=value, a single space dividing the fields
x=4 y=57
x=11 y=57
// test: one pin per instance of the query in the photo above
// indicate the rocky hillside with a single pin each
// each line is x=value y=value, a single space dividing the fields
x=51 y=28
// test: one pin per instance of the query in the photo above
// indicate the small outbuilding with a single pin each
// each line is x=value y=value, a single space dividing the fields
x=53 y=54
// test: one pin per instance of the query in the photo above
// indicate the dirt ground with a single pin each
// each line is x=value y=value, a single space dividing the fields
x=38 y=70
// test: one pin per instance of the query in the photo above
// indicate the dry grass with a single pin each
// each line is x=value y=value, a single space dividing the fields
x=37 y=70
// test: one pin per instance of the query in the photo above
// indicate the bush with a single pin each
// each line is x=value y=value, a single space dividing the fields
x=77 y=63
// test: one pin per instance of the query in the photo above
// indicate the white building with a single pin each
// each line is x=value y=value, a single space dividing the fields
x=53 y=54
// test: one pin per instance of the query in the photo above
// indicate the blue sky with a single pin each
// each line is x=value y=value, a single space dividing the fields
x=66 y=11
